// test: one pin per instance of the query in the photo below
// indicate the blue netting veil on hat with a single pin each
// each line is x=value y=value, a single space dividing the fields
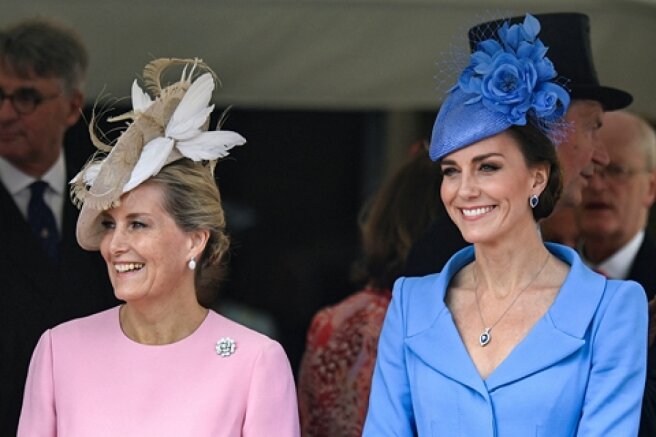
x=509 y=81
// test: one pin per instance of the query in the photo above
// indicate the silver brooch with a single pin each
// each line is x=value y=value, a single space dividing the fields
x=225 y=347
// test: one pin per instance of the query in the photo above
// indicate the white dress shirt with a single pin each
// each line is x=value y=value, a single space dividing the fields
x=18 y=184
x=618 y=265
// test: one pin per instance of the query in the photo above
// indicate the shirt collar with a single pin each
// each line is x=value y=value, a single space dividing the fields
x=56 y=175
x=618 y=265
x=15 y=180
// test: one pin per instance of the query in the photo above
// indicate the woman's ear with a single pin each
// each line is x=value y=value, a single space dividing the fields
x=540 y=177
x=199 y=240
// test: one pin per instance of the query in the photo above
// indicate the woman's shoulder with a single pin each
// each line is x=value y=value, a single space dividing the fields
x=434 y=285
x=420 y=290
x=625 y=292
x=92 y=324
x=246 y=351
x=82 y=333
x=599 y=288
x=228 y=332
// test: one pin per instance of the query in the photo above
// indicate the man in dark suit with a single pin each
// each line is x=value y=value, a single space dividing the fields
x=612 y=220
x=45 y=278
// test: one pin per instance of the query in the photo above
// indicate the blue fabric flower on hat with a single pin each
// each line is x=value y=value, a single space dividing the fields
x=509 y=81
x=513 y=76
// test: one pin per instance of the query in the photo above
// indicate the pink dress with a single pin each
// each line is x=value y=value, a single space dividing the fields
x=87 y=378
x=335 y=374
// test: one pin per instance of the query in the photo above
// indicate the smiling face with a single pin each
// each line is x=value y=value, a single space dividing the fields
x=486 y=188
x=581 y=149
x=32 y=142
x=146 y=251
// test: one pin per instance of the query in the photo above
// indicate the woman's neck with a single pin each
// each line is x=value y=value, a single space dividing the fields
x=151 y=324
x=505 y=266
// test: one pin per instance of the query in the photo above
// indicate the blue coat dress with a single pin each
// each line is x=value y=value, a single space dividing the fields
x=580 y=371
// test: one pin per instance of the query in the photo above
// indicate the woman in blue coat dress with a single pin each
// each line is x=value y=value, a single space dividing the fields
x=513 y=337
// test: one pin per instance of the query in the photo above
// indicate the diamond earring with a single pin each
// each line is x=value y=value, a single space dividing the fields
x=533 y=201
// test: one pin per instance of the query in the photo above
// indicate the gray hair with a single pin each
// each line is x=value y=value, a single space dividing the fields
x=647 y=140
x=45 y=49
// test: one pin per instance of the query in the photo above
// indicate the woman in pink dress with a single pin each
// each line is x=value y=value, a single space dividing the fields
x=161 y=364
x=335 y=373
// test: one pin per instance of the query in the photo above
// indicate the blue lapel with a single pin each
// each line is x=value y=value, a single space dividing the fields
x=434 y=339
x=431 y=333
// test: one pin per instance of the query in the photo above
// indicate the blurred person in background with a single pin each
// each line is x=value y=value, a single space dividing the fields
x=46 y=277
x=561 y=227
x=336 y=369
x=613 y=221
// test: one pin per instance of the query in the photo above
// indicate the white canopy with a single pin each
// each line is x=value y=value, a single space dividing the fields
x=357 y=54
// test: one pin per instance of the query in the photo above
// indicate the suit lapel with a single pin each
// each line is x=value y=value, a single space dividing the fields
x=543 y=347
x=431 y=334
x=441 y=348
x=27 y=255
x=559 y=334
x=561 y=331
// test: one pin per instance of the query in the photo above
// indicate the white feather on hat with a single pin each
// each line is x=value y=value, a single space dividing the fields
x=172 y=126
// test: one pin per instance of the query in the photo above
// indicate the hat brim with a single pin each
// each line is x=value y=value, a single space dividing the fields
x=460 y=124
x=610 y=98
x=89 y=230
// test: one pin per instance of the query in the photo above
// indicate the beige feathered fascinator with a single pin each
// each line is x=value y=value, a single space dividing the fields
x=172 y=126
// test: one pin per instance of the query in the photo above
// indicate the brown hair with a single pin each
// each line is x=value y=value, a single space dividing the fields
x=399 y=213
x=538 y=149
x=192 y=198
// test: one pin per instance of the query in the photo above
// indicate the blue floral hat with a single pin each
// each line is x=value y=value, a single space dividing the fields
x=509 y=81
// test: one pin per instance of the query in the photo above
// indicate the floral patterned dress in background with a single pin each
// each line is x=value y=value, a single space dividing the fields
x=335 y=374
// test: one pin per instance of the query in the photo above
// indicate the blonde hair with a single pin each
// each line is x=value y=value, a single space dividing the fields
x=192 y=198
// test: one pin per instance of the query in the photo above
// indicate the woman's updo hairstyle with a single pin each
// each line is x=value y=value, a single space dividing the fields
x=538 y=149
x=192 y=198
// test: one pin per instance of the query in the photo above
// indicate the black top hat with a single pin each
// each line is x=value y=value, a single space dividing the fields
x=567 y=35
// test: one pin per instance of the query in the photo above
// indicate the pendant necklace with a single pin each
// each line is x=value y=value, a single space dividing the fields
x=486 y=336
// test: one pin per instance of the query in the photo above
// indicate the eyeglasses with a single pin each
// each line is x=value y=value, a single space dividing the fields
x=25 y=100
x=616 y=172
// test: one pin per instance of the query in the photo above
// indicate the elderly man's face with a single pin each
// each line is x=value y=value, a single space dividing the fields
x=32 y=142
x=580 y=150
x=617 y=201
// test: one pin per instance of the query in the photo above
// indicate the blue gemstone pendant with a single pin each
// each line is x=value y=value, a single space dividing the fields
x=485 y=337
